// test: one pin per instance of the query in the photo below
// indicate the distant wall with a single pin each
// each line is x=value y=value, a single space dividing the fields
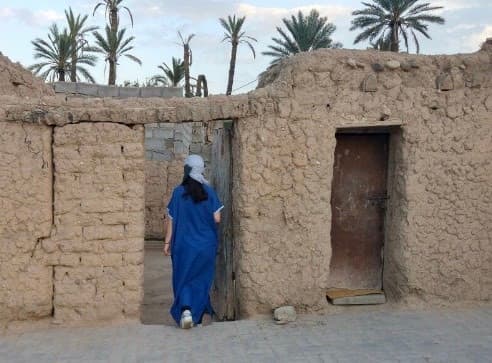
x=99 y=90
x=167 y=145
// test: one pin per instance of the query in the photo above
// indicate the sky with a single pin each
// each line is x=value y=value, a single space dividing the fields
x=156 y=23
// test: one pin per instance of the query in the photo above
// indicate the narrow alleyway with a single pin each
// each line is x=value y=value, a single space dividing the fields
x=158 y=294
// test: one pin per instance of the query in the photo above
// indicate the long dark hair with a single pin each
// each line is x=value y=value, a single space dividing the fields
x=192 y=187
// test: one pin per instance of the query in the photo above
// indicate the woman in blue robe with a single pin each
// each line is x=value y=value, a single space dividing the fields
x=191 y=240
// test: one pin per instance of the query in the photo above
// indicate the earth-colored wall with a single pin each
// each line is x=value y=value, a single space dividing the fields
x=96 y=247
x=438 y=244
x=26 y=285
x=88 y=261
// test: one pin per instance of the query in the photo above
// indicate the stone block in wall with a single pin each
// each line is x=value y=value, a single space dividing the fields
x=107 y=91
x=196 y=148
x=168 y=92
x=87 y=89
x=445 y=82
x=161 y=133
x=146 y=92
x=154 y=144
x=370 y=83
x=180 y=148
x=126 y=92
x=198 y=133
x=164 y=155
x=65 y=87
x=167 y=126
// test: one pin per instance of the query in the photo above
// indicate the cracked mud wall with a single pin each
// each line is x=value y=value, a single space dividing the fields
x=97 y=242
x=438 y=246
x=26 y=217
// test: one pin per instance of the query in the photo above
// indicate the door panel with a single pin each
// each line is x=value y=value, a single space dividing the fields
x=358 y=205
x=223 y=290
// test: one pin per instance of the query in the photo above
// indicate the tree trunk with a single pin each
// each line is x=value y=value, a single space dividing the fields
x=73 y=69
x=113 y=20
x=61 y=75
x=232 y=67
x=186 y=55
x=395 y=42
x=112 y=73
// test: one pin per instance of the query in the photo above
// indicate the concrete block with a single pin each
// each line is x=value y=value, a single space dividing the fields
x=162 y=133
x=195 y=148
x=107 y=91
x=360 y=300
x=87 y=89
x=147 y=92
x=168 y=92
x=126 y=92
x=65 y=87
x=154 y=144
x=180 y=148
x=165 y=155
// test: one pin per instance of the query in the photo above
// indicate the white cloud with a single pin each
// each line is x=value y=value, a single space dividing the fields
x=266 y=18
x=29 y=17
x=331 y=11
x=195 y=10
x=475 y=40
x=460 y=27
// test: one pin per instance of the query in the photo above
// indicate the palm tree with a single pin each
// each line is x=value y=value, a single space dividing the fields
x=172 y=75
x=77 y=32
x=391 y=19
x=187 y=61
x=112 y=10
x=113 y=46
x=56 y=54
x=235 y=36
x=305 y=34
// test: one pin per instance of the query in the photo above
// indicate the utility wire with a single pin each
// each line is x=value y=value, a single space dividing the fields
x=244 y=85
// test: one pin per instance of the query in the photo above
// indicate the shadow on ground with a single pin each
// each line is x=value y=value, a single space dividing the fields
x=158 y=294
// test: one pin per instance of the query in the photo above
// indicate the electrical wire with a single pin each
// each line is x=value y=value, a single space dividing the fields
x=244 y=85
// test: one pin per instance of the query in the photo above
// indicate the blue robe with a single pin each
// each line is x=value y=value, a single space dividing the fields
x=193 y=249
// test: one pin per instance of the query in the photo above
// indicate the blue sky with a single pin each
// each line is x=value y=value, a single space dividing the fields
x=468 y=23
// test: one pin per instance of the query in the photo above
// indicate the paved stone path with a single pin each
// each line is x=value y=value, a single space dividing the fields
x=355 y=336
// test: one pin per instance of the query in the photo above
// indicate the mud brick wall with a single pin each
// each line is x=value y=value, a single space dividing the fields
x=26 y=287
x=438 y=246
x=96 y=246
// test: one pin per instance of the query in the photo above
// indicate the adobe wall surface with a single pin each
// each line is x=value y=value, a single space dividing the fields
x=438 y=245
x=26 y=284
x=96 y=246
x=17 y=81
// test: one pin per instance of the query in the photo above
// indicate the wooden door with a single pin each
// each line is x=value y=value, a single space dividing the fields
x=223 y=291
x=358 y=206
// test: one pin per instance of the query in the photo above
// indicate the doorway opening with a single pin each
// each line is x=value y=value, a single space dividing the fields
x=358 y=204
x=167 y=145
